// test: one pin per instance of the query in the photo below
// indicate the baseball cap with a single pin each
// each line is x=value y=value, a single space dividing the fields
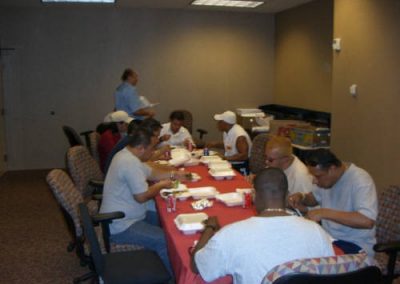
x=228 y=116
x=118 y=116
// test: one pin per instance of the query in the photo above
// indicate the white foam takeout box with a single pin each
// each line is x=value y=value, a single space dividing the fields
x=230 y=199
x=207 y=159
x=219 y=164
x=220 y=174
x=190 y=223
x=203 y=192
x=179 y=156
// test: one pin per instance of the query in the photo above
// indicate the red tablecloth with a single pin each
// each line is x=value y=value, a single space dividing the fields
x=178 y=243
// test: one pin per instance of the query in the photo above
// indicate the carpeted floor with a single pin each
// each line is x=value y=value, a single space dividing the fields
x=33 y=236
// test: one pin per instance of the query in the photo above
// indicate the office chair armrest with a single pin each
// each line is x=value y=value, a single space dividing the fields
x=87 y=132
x=107 y=217
x=96 y=183
x=97 y=197
x=98 y=186
x=201 y=131
x=387 y=247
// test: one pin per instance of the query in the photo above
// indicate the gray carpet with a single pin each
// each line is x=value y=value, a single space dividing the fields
x=33 y=236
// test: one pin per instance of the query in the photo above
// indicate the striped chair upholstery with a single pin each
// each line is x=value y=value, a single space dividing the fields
x=69 y=199
x=324 y=265
x=388 y=224
x=257 y=154
x=83 y=168
x=94 y=138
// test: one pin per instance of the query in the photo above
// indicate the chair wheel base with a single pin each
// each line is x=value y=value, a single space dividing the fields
x=87 y=276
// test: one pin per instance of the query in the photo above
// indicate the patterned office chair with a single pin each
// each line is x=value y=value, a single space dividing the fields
x=84 y=170
x=257 y=154
x=337 y=269
x=388 y=233
x=94 y=138
x=72 y=136
x=69 y=198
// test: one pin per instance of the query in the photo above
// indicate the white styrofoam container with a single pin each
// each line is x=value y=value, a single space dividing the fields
x=203 y=192
x=231 y=198
x=190 y=223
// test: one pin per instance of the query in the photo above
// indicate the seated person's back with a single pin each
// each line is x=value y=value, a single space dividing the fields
x=248 y=249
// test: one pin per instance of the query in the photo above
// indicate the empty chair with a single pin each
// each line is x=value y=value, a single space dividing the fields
x=68 y=197
x=85 y=135
x=257 y=154
x=141 y=266
x=72 y=136
x=84 y=170
x=344 y=269
x=93 y=142
x=388 y=233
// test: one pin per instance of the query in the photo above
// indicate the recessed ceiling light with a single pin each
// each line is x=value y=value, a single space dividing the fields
x=79 y=1
x=228 y=3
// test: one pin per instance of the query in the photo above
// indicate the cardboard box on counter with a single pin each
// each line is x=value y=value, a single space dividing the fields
x=310 y=136
x=283 y=127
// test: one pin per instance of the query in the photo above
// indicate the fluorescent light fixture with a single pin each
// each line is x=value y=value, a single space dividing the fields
x=228 y=3
x=79 y=1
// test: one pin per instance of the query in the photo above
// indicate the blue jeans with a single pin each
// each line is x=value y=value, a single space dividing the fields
x=146 y=233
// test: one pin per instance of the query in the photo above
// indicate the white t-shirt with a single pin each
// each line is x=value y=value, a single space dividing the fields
x=230 y=138
x=354 y=191
x=177 y=138
x=299 y=179
x=126 y=177
x=248 y=249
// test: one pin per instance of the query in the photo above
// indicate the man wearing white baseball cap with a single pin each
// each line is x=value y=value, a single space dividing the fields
x=119 y=121
x=236 y=141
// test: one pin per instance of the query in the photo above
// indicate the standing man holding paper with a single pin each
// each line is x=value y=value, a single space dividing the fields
x=127 y=99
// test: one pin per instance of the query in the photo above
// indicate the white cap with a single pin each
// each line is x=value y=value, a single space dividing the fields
x=118 y=116
x=228 y=116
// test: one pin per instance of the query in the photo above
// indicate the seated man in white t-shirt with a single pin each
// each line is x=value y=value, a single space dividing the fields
x=347 y=196
x=174 y=133
x=236 y=141
x=248 y=249
x=279 y=154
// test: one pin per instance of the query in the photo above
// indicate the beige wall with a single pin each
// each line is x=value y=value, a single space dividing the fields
x=69 y=61
x=366 y=129
x=303 y=69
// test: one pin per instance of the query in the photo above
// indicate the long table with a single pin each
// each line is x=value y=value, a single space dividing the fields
x=178 y=243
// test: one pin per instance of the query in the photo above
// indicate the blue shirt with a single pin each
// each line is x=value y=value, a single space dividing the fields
x=127 y=99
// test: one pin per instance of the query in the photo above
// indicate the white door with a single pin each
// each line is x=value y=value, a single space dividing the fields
x=3 y=160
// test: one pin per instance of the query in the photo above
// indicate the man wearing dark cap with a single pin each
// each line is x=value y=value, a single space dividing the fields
x=248 y=249
x=347 y=196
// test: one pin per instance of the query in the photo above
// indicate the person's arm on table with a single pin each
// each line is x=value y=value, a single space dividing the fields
x=160 y=153
x=211 y=226
x=243 y=150
x=352 y=219
x=301 y=201
x=152 y=191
